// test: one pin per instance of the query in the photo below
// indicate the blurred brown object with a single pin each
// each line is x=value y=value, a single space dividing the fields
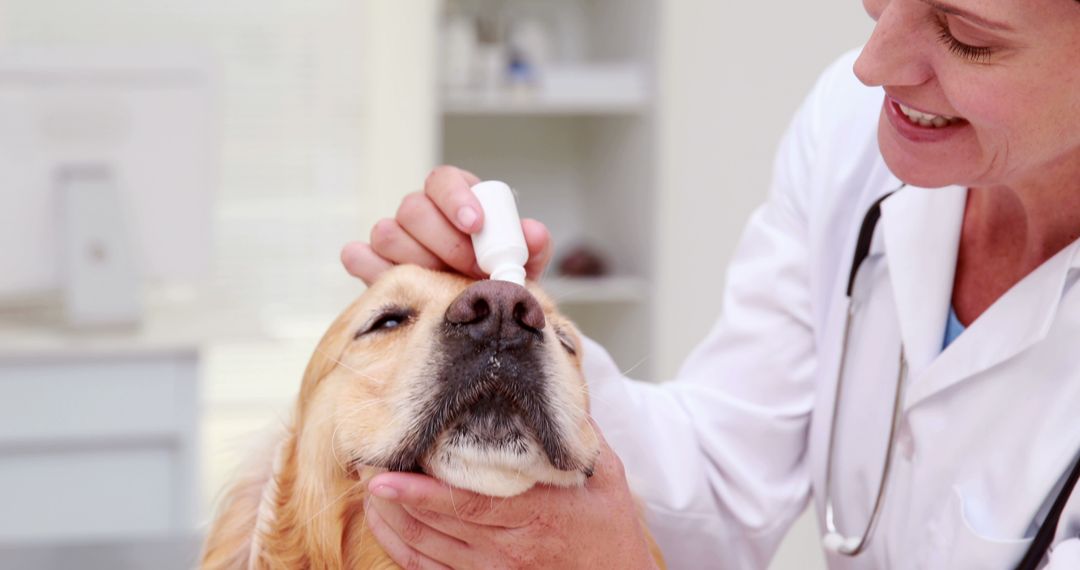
x=583 y=261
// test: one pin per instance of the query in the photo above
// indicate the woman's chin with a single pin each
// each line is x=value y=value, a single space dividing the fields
x=914 y=169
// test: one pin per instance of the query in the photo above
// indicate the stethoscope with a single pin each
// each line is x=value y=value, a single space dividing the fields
x=840 y=543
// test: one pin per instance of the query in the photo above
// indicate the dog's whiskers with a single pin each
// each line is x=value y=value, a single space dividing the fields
x=586 y=414
x=573 y=291
x=453 y=503
x=636 y=364
x=349 y=407
x=503 y=501
x=338 y=361
x=333 y=448
x=592 y=396
x=363 y=522
x=363 y=406
x=331 y=503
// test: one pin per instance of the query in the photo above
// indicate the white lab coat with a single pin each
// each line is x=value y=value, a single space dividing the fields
x=726 y=456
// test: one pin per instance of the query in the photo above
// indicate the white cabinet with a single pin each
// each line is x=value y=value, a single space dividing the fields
x=97 y=445
x=579 y=147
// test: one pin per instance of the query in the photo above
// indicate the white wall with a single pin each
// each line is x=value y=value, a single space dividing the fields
x=327 y=114
x=731 y=75
x=400 y=115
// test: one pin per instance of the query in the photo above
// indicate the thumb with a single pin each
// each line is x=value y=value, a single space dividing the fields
x=608 y=467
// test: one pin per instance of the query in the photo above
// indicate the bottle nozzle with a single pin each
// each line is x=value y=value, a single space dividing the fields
x=512 y=273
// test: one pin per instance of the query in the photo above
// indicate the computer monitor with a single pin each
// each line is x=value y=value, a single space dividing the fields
x=104 y=157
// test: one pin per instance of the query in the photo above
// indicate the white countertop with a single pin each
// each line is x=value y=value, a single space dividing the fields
x=40 y=331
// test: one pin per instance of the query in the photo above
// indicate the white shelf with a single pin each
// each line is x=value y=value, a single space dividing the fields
x=579 y=147
x=613 y=289
x=567 y=89
x=543 y=103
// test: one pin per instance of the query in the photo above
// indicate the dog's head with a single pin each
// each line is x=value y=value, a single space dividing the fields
x=477 y=384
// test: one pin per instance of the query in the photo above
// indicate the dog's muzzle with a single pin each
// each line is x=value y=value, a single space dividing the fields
x=492 y=387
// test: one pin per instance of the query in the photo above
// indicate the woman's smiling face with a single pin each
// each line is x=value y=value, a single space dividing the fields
x=978 y=92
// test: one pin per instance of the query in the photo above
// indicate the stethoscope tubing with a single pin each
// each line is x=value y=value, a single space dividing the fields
x=834 y=539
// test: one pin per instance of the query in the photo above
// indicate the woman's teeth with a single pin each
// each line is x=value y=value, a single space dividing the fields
x=925 y=119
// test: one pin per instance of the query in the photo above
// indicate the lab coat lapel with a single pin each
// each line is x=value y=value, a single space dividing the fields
x=1017 y=320
x=921 y=232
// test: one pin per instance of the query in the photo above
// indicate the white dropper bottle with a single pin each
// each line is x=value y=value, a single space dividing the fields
x=500 y=244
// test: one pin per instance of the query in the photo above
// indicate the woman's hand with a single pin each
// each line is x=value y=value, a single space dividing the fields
x=431 y=229
x=422 y=523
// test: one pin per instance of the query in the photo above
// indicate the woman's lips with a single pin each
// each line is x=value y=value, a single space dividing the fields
x=915 y=132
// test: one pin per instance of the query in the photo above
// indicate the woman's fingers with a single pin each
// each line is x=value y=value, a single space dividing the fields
x=391 y=242
x=431 y=229
x=538 y=240
x=608 y=469
x=450 y=525
x=424 y=493
x=450 y=188
x=362 y=261
x=420 y=217
x=596 y=526
x=408 y=541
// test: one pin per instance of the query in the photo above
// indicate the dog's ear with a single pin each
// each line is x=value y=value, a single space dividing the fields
x=249 y=502
x=228 y=544
x=329 y=351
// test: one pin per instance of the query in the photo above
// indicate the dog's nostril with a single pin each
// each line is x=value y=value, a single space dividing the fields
x=480 y=309
x=496 y=309
x=529 y=315
x=519 y=313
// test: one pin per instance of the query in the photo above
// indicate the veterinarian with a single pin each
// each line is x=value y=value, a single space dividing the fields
x=899 y=343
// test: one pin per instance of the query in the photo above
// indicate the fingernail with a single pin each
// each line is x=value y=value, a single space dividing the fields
x=385 y=492
x=466 y=217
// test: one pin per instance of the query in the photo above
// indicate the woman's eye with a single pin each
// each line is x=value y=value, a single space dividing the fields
x=977 y=54
x=386 y=322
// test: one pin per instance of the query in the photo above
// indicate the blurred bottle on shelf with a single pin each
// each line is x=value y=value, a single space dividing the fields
x=491 y=51
x=459 y=50
x=530 y=53
x=491 y=54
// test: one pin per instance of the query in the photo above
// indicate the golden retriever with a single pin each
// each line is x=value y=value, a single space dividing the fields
x=477 y=384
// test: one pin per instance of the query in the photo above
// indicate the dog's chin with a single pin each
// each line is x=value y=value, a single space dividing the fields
x=495 y=471
x=495 y=458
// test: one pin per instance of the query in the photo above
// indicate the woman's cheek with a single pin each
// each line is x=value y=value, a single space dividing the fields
x=966 y=91
x=1004 y=114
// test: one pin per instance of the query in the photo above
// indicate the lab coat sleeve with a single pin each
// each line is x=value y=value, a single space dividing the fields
x=718 y=455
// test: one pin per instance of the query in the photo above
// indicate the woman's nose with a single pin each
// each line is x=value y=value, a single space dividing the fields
x=895 y=53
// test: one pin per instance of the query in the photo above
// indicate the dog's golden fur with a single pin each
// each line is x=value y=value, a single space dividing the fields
x=301 y=505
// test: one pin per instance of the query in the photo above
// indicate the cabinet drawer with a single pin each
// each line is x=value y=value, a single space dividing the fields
x=88 y=494
x=92 y=399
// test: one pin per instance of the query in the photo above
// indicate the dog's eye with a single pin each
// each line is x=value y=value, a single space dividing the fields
x=564 y=339
x=387 y=321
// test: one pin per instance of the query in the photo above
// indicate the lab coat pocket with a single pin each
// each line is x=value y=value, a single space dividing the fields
x=959 y=544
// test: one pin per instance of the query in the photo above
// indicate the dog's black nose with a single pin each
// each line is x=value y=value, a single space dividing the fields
x=491 y=310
